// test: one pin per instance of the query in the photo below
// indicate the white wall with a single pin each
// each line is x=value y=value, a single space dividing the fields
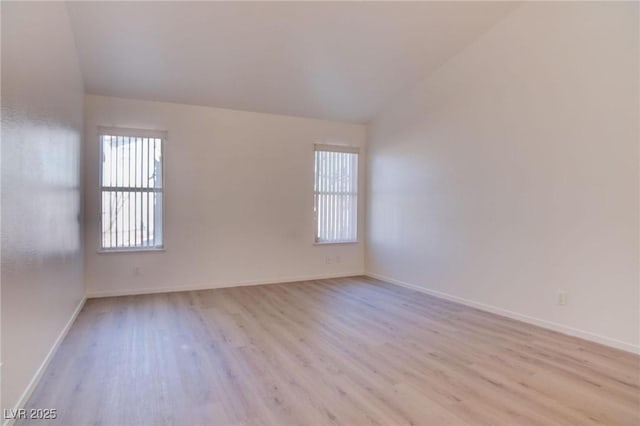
x=42 y=279
x=512 y=173
x=238 y=193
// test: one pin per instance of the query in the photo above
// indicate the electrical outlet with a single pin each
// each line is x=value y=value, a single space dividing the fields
x=338 y=260
x=136 y=271
x=562 y=298
x=328 y=260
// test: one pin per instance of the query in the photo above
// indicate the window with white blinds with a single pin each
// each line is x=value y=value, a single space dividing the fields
x=336 y=194
x=131 y=185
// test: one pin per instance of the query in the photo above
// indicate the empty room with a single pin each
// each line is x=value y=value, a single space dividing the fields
x=320 y=213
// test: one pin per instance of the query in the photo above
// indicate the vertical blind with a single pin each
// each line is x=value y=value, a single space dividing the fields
x=336 y=194
x=131 y=180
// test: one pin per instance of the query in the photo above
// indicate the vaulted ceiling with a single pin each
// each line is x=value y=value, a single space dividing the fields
x=339 y=61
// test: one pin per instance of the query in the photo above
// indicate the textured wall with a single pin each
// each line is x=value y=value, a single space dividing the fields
x=42 y=256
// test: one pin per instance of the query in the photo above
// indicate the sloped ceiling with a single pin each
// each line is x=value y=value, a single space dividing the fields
x=338 y=61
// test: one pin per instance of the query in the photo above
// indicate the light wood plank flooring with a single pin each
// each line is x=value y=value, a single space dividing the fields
x=351 y=351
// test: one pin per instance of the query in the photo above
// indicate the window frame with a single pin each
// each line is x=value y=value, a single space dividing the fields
x=132 y=133
x=350 y=149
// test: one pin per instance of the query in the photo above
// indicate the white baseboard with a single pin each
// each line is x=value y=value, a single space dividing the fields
x=560 y=328
x=132 y=292
x=43 y=366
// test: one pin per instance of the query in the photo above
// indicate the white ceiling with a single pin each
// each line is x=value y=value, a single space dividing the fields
x=338 y=61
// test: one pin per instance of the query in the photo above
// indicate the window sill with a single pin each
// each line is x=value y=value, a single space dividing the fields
x=328 y=243
x=131 y=250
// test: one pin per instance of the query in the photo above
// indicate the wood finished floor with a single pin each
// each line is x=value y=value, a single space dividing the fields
x=350 y=351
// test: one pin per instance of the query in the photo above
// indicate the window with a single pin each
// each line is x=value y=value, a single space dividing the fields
x=336 y=194
x=131 y=185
